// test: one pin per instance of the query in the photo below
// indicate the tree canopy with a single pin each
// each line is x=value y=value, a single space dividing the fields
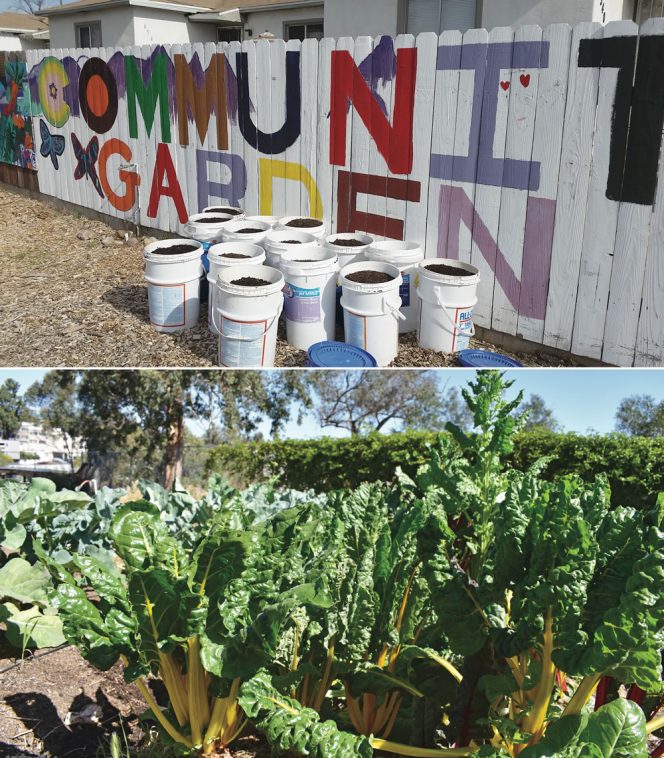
x=641 y=416
x=538 y=415
x=13 y=410
x=143 y=413
x=372 y=401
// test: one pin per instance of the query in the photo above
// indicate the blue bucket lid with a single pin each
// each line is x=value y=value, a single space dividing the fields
x=486 y=359
x=338 y=355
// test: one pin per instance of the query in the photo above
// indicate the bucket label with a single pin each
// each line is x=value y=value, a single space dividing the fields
x=464 y=329
x=404 y=291
x=241 y=344
x=167 y=304
x=302 y=305
x=355 y=331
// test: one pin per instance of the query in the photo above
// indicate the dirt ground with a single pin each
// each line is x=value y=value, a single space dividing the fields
x=37 y=695
x=74 y=296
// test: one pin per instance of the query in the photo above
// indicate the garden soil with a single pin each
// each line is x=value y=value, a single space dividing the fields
x=74 y=296
x=37 y=694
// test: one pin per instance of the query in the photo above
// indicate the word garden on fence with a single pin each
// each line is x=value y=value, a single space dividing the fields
x=533 y=154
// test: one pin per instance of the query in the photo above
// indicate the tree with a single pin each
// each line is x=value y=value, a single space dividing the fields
x=369 y=401
x=538 y=415
x=641 y=416
x=142 y=414
x=13 y=410
x=34 y=7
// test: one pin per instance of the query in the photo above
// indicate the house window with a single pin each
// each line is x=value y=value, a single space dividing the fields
x=647 y=9
x=304 y=30
x=89 y=34
x=229 y=34
x=441 y=15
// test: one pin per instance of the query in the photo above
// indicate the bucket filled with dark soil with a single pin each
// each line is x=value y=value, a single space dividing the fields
x=246 y=231
x=173 y=271
x=448 y=292
x=304 y=223
x=223 y=256
x=371 y=301
x=229 y=210
x=280 y=241
x=249 y=301
x=206 y=227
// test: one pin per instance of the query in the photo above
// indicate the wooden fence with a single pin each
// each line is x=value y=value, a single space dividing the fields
x=17 y=157
x=533 y=154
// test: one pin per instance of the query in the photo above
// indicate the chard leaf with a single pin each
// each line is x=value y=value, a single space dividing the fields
x=23 y=582
x=34 y=628
x=290 y=727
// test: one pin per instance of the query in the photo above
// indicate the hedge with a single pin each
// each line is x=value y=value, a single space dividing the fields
x=634 y=465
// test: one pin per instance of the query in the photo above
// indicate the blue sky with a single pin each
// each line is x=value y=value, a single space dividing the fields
x=581 y=399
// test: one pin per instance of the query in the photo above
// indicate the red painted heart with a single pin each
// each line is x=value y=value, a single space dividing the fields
x=505 y=85
x=525 y=79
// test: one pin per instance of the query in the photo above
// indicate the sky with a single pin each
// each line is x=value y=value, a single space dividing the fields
x=582 y=400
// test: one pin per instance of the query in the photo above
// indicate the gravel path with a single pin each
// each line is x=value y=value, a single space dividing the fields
x=74 y=296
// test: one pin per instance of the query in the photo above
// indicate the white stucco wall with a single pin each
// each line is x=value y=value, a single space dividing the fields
x=273 y=21
x=10 y=42
x=352 y=18
x=613 y=10
x=155 y=27
x=117 y=27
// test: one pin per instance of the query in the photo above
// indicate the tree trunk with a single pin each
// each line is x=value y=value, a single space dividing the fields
x=175 y=447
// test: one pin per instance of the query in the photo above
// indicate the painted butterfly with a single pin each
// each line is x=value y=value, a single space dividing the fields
x=52 y=145
x=86 y=161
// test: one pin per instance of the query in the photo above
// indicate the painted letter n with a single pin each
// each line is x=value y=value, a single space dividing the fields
x=394 y=141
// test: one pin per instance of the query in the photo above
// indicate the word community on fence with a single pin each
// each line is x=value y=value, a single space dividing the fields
x=532 y=154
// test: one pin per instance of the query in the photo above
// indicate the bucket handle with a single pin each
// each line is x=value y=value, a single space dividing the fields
x=245 y=339
x=387 y=309
x=455 y=327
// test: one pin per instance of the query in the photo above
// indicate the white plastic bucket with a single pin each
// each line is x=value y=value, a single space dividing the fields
x=232 y=210
x=231 y=231
x=276 y=243
x=371 y=311
x=217 y=256
x=405 y=256
x=271 y=220
x=173 y=285
x=318 y=231
x=198 y=229
x=309 y=295
x=248 y=317
x=446 y=313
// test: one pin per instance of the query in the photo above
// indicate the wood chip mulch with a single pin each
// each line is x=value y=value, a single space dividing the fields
x=74 y=296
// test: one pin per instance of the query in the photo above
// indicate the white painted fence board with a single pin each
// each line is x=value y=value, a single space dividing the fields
x=572 y=194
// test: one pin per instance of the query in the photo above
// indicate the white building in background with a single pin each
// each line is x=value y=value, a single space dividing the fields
x=117 y=23
x=35 y=443
x=21 y=31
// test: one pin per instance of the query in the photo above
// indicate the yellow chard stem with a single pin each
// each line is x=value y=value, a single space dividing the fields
x=321 y=690
x=582 y=695
x=534 y=721
x=177 y=693
x=420 y=752
x=199 y=709
x=216 y=722
x=655 y=724
x=158 y=714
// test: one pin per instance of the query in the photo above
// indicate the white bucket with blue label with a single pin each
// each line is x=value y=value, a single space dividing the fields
x=173 y=272
x=448 y=292
x=309 y=295
x=220 y=257
x=405 y=256
x=371 y=308
x=249 y=302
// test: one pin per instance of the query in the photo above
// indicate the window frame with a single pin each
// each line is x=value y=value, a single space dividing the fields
x=305 y=23
x=238 y=28
x=88 y=25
